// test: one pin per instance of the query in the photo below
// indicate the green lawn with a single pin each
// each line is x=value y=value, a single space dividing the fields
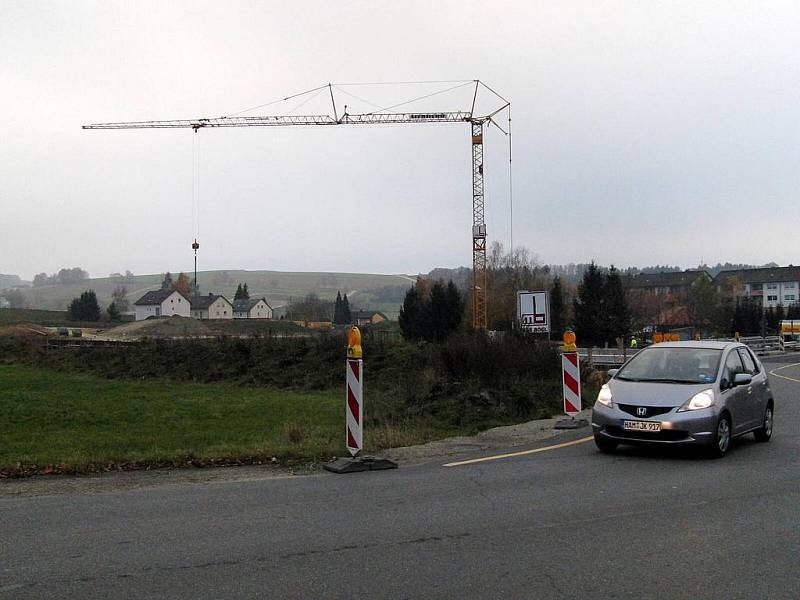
x=76 y=421
x=50 y=420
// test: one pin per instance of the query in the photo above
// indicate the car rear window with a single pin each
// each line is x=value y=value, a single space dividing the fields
x=673 y=365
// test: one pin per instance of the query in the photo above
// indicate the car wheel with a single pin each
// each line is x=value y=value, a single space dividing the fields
x=764 y=433
x=604 y=444
x=722 y=437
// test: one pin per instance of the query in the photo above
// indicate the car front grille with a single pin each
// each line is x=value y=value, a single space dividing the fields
x=650 y=411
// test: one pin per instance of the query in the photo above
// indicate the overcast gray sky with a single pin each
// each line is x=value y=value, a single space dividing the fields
x=644 y=132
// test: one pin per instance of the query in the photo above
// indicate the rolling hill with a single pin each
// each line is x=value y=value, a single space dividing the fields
x=365 y=291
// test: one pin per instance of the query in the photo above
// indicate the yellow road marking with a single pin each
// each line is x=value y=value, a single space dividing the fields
x=515 y=454
x=784 y=376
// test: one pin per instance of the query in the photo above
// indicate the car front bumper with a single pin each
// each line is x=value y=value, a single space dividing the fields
x=690 y=427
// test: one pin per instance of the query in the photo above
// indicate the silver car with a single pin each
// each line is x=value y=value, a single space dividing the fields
x=685 y=393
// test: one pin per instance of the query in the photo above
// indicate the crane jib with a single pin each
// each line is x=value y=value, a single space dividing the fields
x=380 y=117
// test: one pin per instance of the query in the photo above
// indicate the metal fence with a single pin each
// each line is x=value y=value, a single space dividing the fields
x=761 y=346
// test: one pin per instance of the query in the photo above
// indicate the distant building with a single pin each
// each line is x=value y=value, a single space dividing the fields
x=362 y=318
x=161 y=303
x=212 y=306
x=255 y=308
x=774 y=286
x=662 y=284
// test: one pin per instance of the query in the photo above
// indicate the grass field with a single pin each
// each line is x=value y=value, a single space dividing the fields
x=51 y=421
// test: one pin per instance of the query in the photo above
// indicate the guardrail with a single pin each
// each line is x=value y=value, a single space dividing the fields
x=605 y=357
x=613 y=357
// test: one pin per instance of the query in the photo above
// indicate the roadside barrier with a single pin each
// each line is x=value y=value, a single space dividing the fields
x=571 y=383
x=354 y=414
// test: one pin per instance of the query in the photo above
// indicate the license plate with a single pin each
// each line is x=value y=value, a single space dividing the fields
x=641 y=426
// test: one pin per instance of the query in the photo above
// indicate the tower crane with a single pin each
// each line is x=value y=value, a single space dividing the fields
x=477 y=123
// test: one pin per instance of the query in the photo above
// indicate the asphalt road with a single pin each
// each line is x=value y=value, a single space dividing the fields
x=561 y=523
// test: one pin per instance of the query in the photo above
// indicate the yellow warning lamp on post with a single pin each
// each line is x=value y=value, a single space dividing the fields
x=354 y=343
x=569 y=341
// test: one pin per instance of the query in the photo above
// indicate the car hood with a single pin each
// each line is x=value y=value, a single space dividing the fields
x=641 y=393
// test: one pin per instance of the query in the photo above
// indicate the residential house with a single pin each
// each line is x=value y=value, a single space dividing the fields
x=774 y=286
x=162 y=303
x=362 y=318
x=252 y=308
x=662 y=284
x=211 y=306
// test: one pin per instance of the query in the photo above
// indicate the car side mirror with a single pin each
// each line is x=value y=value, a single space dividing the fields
x=742 y=379
x=612 y=372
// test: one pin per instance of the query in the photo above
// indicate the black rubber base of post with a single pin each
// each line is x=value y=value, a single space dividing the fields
x=356 y=465
x=570 y=424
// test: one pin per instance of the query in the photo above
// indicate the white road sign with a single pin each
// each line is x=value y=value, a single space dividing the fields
x=533 y=311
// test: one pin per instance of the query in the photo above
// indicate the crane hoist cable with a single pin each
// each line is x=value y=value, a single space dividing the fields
x=478 y=123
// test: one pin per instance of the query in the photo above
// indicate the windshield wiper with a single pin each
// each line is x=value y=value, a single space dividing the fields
x=620 y=377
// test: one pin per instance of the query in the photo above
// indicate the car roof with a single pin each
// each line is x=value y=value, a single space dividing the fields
x=710 y=344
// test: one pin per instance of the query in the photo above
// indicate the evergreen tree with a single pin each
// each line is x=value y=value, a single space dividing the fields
x=412 y=314
x=239 y=295
x=337 y=309
x=113 y=312
x=347 y=316
x=85 y=307
x=432 y=316
x=616 y=316
x=456 y=305
x=556 y=309
x=438 y=313
x=245 y=292
x=589 y=307
x=166 y=284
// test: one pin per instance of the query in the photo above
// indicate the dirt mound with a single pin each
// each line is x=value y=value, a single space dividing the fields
x=24 y=330
x=167 y=327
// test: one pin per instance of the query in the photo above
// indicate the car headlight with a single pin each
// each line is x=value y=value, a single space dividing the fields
x=703 y=399
x=604 y=397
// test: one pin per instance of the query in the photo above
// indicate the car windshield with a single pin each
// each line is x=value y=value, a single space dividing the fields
x=672 y=365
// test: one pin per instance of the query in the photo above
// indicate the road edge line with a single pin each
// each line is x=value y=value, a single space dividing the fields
x=521 y=453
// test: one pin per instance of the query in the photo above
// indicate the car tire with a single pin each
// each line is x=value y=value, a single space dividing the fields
x=605 y=445
x=764 y=433
x=722 y=437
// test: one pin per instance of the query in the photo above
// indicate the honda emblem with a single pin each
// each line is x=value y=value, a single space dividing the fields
x=641 y=411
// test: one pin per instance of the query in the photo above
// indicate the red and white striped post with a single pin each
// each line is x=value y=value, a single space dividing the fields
x=571 y=383
x=571 y=376
x=354 y=415
x=355 y=405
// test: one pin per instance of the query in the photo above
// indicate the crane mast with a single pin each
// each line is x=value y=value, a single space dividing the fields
x=478 y=301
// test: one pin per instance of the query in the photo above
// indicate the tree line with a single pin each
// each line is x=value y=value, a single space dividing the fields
x=63 y=277
x=431 y=311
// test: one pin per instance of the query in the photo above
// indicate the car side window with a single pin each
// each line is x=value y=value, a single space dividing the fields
x=755 y=360
x=733 y=365
x=749 y=364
